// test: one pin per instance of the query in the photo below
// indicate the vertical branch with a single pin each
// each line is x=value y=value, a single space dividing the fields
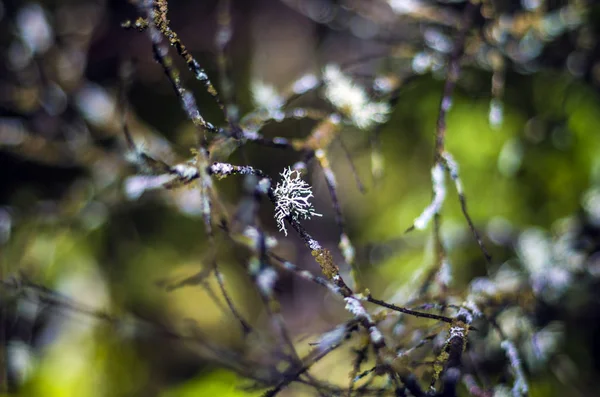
x=361 y=356
x=452 y=168
x=263 y=275
x=520 y=387
x=441 y=164
x=161 y=54
x=157 y=24
x=161 y=22
x=321 y=137
x=452 y=74
x=222 y=40
x=449 y=360
x=496 y=112
x=124 y=81
x=345 y=245
x=438 y=170
x=205 y=194
x=359 y=184
x=245 y=325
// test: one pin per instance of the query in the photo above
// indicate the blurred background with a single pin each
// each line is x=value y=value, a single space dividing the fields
x=96 y=296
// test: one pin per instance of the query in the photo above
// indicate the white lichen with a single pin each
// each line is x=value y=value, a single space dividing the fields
x=305 y=83
x=331 y=338
x=292 y=197
x=352 y=100
x=402 y=7
x=265 y=280
x=266 y=97
x=186 y=171
x=444 y=274
x=136 y=185
x=347 y=248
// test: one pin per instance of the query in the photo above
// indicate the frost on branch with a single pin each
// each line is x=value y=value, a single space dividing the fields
x=292 y=196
